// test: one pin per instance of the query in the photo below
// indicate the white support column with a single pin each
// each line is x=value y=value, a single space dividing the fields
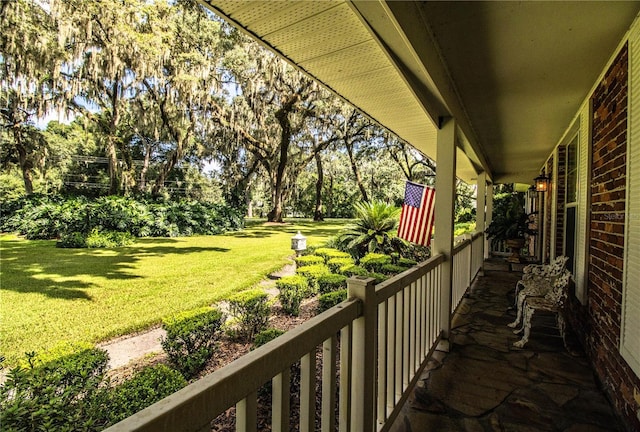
x=481 y=192
x=445 y=199
x=488 y=217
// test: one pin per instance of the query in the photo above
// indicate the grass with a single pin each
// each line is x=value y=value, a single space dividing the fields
x=49 y=295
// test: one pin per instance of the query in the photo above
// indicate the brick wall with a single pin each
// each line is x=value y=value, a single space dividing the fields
x=598 y=324
x=561 y=185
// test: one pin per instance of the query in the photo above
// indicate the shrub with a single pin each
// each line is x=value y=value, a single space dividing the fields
x=406 y=262
x=307 y=260
x=251 y=309
x=353 y=270
x=392 y=269
x=336 y=263
x=293 y=289
x=373 y=230
x=312 y=273
x=64 y=393
x=191 y=338
x=146 y=388
x=72 y=240
x=266 y=336
x=331 y=282
x=329 y=253
x=108 y=239
x=379 y=277
x=375 y=261
x=42 y=217
x=329 y=300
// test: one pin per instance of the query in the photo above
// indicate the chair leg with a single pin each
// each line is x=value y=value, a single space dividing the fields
x=562 y=327
x=528 y=315
x=519 y=305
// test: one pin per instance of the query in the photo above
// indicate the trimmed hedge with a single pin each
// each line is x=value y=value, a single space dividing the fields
x=307 y=260
x=145 y=388
x=251 y=309
x=191 y=338
x=331 y=282
x=392 y=269
x=329 y=300
x=406 y=262
x=375 y=261
x=313 y=273
x=330 y=253
x=266 y=336
x=353 y=270
x=336 y=263
x=379 y=277
x=293 y=289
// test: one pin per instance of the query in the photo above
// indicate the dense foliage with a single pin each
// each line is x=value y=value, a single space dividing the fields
x=66 y=390
x=165 y=99
x=64 y=394
x=43 y=217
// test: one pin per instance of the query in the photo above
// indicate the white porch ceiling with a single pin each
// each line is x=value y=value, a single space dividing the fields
x=513 y=74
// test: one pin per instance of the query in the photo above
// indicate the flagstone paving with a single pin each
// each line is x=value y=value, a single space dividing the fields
x=485 y=384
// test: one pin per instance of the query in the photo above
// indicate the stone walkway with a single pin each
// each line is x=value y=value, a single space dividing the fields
x=484 y=384
x=125 y=349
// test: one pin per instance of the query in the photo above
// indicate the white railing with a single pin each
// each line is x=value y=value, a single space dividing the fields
x=377 y=343
x=468 y=256
x=477 y=253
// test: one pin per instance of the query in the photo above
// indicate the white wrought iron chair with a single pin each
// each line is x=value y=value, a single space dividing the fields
x=554 y=301
x=537 y=280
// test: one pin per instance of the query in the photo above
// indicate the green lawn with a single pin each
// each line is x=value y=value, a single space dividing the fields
x=50 y=294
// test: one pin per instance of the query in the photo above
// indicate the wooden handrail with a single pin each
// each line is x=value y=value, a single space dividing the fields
x=195 y=406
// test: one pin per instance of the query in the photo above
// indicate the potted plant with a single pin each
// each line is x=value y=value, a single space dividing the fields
x=510 y=224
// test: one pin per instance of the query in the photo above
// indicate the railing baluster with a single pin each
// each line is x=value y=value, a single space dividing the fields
x=391 y=353
x=398 y=346
x=308 y=392
x=246 y=414
x=345 y=379
x=382 y=361
x=280 y=396
x=406 y=359
x=412 y=329
x=329 y=358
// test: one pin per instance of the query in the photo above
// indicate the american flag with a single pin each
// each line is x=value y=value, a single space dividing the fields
x=416 y=217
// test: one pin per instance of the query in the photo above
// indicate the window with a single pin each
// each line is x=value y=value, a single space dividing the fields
x=571 y=204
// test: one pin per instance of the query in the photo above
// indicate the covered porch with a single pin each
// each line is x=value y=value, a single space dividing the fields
x=495 y=92
x=483 y=383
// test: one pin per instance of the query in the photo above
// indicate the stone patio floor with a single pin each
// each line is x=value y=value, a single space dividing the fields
x=485 y=384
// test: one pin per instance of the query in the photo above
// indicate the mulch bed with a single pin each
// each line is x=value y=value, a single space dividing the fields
x=230 y=350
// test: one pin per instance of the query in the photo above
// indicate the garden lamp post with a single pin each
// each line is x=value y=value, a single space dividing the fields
x=298 y=243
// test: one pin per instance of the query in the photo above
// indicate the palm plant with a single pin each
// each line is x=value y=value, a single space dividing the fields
x=374 y=230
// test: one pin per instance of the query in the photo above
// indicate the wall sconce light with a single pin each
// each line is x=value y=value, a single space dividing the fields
x=532 y=193
x=542 y=183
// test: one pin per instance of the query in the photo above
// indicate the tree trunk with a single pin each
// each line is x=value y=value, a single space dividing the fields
x=356 y=172
x=317 y=214
x=275 y=215
x=25 y=164
x=142 y=186
x=249 y=207
x=330 y=197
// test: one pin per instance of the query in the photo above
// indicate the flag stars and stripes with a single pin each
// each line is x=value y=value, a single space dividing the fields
x=416 y=217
